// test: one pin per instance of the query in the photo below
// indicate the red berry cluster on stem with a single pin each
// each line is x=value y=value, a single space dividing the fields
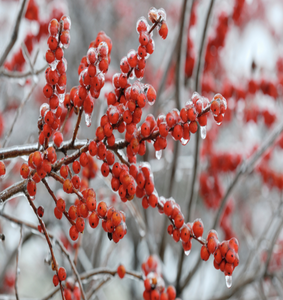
x=154 y=284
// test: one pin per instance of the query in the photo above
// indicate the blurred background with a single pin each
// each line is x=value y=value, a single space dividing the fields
x=242 y=59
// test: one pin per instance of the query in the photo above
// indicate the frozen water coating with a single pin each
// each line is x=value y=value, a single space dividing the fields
x=228 y=280
x=153 y=14
x=53 y=65
x=102 y=49
x=61 y=98
x=88 y=119
x=184 y=142
x=161 y=12
x=203 y=132
x=139 y=20
x=158 y=154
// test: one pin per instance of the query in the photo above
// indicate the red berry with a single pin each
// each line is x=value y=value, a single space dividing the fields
x=198 y=228
x=62 y=274
x=121 y=271
x=204 y=253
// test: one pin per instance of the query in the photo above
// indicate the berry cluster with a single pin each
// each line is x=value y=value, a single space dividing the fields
x=154 y=284
x=91 y=72
x=226 y=257
x=38 y=166
x=124 y=113
x=62 y=275
x=55 y=75
x=113 y=221
x=72 y=290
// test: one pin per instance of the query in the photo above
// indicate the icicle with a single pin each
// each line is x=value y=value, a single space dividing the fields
x=88 y=120
x=158 y=154
x=184 y=142
x=187 y=252
x=203 y=132
x=61 y=98
x=228 y=280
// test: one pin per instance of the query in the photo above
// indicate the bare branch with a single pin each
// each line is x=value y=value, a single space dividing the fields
x=247 y=166
x=47 y=240
x=17 y=262
x=15 y=74
x=14 y=36
x=19 y=110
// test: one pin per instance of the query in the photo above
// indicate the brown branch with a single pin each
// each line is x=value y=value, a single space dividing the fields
x=14 y=36
x=67 y=254
x=98 y=271
x=77 y=126
x=13 y=190
x=59 y=243
x=47 y=239
x=17 y=262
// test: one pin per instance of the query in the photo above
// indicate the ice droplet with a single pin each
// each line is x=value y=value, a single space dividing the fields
x=184 y=142
x=35 y=78
x=18 y=271
x=228 y=280
x=158 y=154
x=61 y=98
x=187 y=252
x=203 y=132
x=88 y=120
x=53 y=65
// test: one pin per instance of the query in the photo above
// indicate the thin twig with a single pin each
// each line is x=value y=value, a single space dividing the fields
x=77 y=249
x=196 y=152
x=65 y=121
x=27 y=57
x=17 y=262
x=19 y=110
x=61 y=179
x=14 y=34
x=93 y=289
x=181 y=51
x=272 y=244
x=55 y=200
x=247 y=166
x=18 y=75
x=47 y=239
x=64 y=250
x=201 y=48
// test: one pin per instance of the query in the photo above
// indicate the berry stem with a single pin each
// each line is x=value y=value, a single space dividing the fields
x=77 y=126
x=55 y=200
x=61 y=180
x=155 y=24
